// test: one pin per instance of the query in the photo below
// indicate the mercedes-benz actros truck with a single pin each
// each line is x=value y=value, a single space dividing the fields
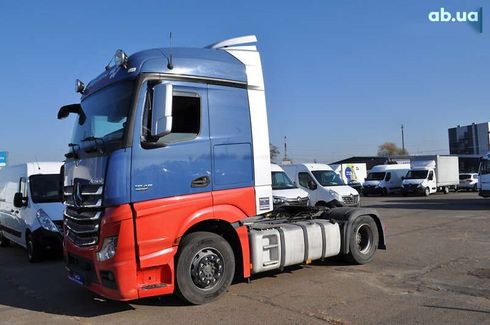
x=167 y=180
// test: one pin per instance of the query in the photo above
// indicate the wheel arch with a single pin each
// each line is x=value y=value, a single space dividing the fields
x=226 y=230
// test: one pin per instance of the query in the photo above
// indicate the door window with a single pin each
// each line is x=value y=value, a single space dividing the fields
x=388 y=177
x=186 y=117
x=431 y=175
x=304 y=179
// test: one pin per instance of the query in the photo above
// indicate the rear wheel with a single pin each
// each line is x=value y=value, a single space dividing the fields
x=363 y=241
x=205 y=267
x=34 y=253
x=446 y=190
x=4 y=242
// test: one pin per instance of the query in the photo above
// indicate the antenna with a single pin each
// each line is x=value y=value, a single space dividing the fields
x=37 y=162
x=170 y=64
x=286 y=160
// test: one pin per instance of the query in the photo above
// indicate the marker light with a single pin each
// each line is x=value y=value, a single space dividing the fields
x=120 y=58
x=79 y=86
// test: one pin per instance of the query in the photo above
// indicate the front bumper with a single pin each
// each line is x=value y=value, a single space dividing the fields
x=372 y=190
x=484 y=193
x=118 y=278
x=468 y=186
x=412 y=189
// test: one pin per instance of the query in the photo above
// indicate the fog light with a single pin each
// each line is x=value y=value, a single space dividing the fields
x=108 y=249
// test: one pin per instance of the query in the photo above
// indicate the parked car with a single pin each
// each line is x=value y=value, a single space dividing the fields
x=31 y=212
x=468 y=182
x=323 y=184
x=385 y=179
x=284 y=191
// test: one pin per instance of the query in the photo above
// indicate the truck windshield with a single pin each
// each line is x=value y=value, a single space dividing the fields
x=327 y=177
x=376 y=176
x=107 y=113
x=45 y=188
x=417 y=174
x=281 y=181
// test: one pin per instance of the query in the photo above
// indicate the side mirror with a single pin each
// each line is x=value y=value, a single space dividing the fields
x=161 y=110
x=312 y=185
x=73 y=108
x=19 y=200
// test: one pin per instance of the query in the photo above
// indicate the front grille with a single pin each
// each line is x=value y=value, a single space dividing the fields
x=82 y=226
x=83 y=213
x=411 y=187
x=298 y=201
x=88 y=196
x=351 y=199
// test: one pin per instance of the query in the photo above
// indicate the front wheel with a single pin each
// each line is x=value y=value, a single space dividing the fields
x=205 y=267
x=427 y=191
x=34 y=253
x=4 y=242
x=363 y=241
x=475 y=188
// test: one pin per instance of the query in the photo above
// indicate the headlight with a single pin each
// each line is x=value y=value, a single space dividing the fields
x=279 y=200
x=335 y=195
x=45 y=221
x=108 y=249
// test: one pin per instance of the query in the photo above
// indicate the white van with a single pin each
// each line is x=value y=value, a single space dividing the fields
x=284 y=191
x=323 y=184
x=31 y=212
x=385 y=179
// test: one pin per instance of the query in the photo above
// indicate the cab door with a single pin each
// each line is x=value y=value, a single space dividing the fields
x=171 y=177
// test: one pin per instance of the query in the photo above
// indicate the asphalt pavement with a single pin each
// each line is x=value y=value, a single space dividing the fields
x=436 y=270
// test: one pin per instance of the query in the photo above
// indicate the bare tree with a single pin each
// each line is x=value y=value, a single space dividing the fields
x=274 y=152
x=390 y=149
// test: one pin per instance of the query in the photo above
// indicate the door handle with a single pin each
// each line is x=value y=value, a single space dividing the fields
x=202 y=181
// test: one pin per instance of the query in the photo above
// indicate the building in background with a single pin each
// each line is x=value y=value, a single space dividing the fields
x=471 y=139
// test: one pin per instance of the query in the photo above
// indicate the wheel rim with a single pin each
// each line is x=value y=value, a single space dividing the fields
x=364 y=238
x=207 y=268
x=427 y=191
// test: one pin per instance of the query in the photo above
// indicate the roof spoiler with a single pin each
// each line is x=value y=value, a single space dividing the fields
x=240 y=42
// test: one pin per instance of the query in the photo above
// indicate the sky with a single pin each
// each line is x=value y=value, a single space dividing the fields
x=341 y=76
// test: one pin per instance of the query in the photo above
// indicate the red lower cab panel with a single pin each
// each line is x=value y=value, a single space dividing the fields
x=143 y=264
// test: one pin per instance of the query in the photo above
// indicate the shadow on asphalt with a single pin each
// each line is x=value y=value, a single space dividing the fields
x=37 y=287
x=429 y=203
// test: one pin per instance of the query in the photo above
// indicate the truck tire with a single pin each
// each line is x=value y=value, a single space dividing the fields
x=363 y=241
x=34 y=253
x=427 y=191
x=4 y=242
x=205 y=267
x=445 y=190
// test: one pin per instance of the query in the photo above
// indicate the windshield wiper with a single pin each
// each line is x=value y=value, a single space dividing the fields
x=73 y=153
x=96 y=147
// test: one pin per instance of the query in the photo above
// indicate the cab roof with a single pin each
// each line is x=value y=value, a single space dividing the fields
x=206 y=63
